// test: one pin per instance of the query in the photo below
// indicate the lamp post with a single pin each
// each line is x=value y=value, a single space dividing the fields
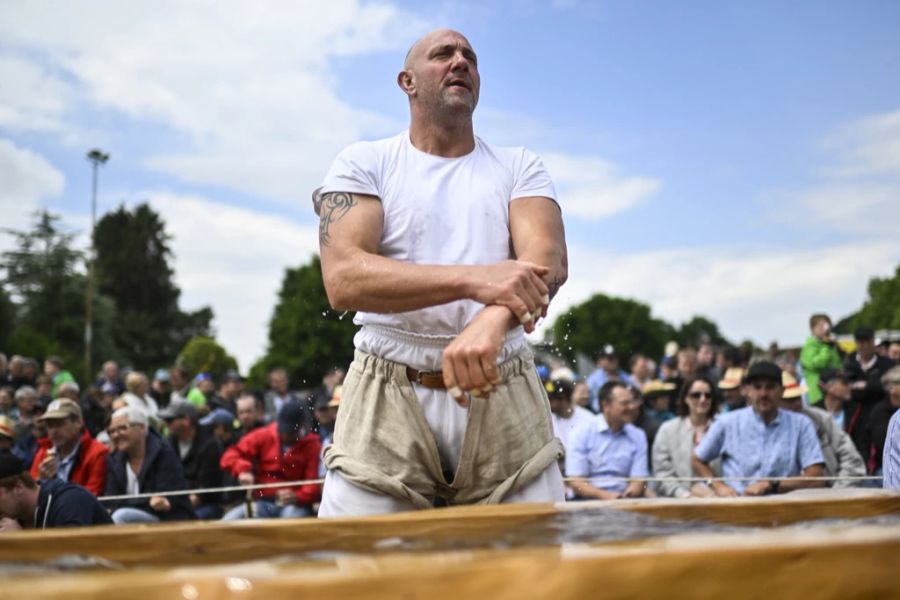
x=97 y=158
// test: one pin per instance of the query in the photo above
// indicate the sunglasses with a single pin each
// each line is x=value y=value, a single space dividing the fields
x=698 y=395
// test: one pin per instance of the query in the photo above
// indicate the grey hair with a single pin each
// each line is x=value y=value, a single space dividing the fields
x=132 y=413
x=891 y=377
x=68 y=385
x=26 y=391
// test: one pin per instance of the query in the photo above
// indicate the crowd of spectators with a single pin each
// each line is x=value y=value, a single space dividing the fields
x=696 y=422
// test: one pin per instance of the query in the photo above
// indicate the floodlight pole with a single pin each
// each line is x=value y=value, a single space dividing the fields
x=97 y=158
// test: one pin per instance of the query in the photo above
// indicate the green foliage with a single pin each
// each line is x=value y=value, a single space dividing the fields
x=626 y=324
x=133 y=269
x=700 y=330
x=882 y=309
x=204 y=354
x=305 y=336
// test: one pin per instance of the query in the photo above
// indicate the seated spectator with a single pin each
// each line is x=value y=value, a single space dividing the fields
x=841 y=457
x=26 y=402
x=44 y=385
x=180 y=383
x=7 y=434
x=565 y=414
x=199 y=451
x=644 y=420
x=283 y=451
x=17 y=376
x=879 y=420
x=29 y=436
x=836 y=399
x=732 y=388
x=891 y=455
x=251 y=412
x=109 y=375
x=229 y=391
x=97 y=408
x=761 y=442
x=203 y=392
x=676 y=439
x=819 y=352
x=279 y=393
x=220 y=424
x=161 y=388
x=581 y=395
x=136 y=386
x=69 y=452
x=143 y=463
x=864 y=370
x=607 y=370
x=658 y=399
x=53 y=368
x=642 y=370
x=54 y=503
x=7 y=401
x=894 y=351
x=70 y=390
x=609 y=446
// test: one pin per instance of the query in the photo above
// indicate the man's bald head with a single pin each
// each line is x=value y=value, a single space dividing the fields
x=418 y=47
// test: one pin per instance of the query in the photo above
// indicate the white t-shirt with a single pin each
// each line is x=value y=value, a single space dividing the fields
x=563 y=427
x=438 y=210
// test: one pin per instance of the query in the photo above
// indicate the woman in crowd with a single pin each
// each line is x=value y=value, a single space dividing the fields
x=675 y=441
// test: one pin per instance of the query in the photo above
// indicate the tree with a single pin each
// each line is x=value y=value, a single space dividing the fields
x=625 y=324
x=203 y=354
x=133 y=258
x=47 y=290
x=700 y=330
x=882 y=308
x=305 y=335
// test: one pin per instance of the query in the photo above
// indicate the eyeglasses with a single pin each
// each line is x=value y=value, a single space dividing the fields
x=698 y=395
x=120 y=429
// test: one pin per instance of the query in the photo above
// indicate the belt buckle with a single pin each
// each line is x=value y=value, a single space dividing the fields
x=419 y=375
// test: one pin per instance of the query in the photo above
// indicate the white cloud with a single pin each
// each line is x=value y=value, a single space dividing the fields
x=760 y=294
x=28 y=178
x=249 y=86
x=594 y=188
x=232 y=259
x=869 y=146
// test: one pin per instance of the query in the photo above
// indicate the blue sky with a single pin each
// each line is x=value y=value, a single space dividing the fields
x=732 y=159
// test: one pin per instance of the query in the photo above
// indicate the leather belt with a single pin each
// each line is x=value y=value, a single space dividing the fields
x=433 y=380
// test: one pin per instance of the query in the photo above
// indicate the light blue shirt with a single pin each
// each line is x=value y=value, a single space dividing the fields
x=596 y=451
x=64 y=468
x=751 y=448
x=891 y=458
x=596 y=380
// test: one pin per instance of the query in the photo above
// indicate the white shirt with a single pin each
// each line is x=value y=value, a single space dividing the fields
x=437 y=210
x=563 y=426
x=132 y=486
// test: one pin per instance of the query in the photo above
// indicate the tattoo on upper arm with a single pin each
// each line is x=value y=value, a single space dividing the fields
x=331 y=207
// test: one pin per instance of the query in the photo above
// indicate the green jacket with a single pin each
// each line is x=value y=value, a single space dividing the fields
x=815 y=356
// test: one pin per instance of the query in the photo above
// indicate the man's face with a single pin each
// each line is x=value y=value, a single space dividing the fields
x=610 y=364
x=559 y=404
x=206 y=386
x=6 y=399
x=110 y=371
x=49 y=368
x=10 y=505
x=581 y=395
x=125 y=436
x=705 y=355
x=177 y=380
x=838 y=389
x=794 y=404
x=26 y=403
x=622 y=407
x=246 y=412
x=765 y=396
x=734 y=396
x=278 y=382
x=866 y=349
x=894 y=352
x=178 y=425
x=232 y=388
x=444 y=71
x=326 y=416
x=64 y=433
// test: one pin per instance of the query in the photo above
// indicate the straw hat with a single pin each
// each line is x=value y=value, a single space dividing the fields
x=732 y=379
x=792 y=387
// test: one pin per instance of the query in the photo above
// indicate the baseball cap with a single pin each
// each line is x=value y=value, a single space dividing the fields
x=178 y=408
x=764 y=370
x=162 y=375
x=10 y=465
x=232 y=375
x=61 y=408
x=559 y=388
x=218 y=416
x=864 y=333
x=292 y=417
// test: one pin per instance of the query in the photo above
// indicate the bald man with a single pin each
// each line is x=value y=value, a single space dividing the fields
x=450 y=250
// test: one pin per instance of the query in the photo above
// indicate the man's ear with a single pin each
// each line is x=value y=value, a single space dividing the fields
x=406 y=83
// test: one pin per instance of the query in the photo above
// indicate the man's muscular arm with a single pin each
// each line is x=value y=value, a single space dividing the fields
x=537 y=236
x=357 y=278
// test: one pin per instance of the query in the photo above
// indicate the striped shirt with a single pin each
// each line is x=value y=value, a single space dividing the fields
x=751 y=448
x=891 y=462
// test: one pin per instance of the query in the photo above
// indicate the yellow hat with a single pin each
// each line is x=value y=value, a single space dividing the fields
x=732 y=379
x=792 y=387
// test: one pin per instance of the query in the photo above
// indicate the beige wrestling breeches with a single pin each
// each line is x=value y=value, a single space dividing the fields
x=383 y=442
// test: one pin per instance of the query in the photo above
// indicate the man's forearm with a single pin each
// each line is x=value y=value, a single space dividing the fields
x=586 y=490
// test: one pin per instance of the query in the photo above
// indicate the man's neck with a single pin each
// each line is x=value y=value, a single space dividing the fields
x=187 y=435
x=768 y=416
x=448 y=139
x=832 y=404
x=63 y=451
x=614 y=425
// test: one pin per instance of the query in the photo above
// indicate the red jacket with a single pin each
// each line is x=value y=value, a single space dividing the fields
x=259 y=452
x=89 y=469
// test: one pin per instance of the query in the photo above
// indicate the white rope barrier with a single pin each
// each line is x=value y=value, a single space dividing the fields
x=288 y=484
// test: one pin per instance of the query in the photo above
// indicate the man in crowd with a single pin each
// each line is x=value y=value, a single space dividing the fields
x=250 y=412
x=180 y=382
x=566 y=415
x=609 y=448
x=732 y=384
x=422 y=250
x=199 y=451
x=891 y=455
x=161 y=388
x=143 y=463
x=220 y=423
x=864 y=370
x=110 y=375
x=643 y=370
x=284 y=451
x=761 y=442
x=607 y=370
x=842 y=459
x=53 y=368
x=837 y=401
x=279 y=393
x=229 y=391
x=819 y=352
x=326 y=410
x=879 y=420
x=25 y=504
x=69 y=452
x=26 y=404
x=7 y=435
